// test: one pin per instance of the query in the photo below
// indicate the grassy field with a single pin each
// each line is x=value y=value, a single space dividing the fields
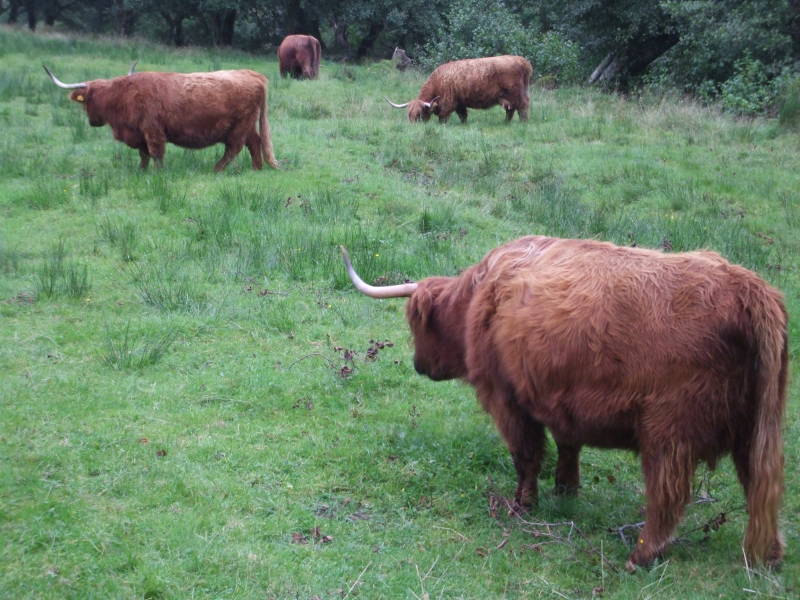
x=195 y=404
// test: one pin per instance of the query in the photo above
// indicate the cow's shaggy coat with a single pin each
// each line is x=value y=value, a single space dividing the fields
x=679 y=357
x=299 y=56
x=193 y=110
x=474 y=83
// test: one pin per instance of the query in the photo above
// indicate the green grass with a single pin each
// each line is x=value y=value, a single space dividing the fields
x=195 y=403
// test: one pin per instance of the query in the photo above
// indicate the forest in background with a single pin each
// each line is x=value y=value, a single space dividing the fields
x=744 y=54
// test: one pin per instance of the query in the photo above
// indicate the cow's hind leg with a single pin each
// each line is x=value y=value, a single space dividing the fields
x=144 y=158
x=524 y=106
x=567 y=470
x=525 y=439
x=254 y=146
x=668 y=469
x=755 y=504
x=156 y=146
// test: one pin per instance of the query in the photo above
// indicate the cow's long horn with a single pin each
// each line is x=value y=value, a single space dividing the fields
x=386 y=291
x=396 y=105
x=61 y=84
x=132 y=70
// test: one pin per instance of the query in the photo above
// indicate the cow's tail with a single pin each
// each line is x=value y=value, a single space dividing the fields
x=266 y=136
x=763 y=542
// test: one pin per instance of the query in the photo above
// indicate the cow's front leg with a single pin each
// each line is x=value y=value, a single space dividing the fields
x=567 y=469
x=524 y=438
x=668 y=469
x=461 y=111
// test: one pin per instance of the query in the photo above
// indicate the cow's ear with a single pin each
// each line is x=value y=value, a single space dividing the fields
x=435 y=102
x=78 y=95
x=420 y=307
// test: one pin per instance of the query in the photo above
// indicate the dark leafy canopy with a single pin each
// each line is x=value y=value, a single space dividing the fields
x=744 y=52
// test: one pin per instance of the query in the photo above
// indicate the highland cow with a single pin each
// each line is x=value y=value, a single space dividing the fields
x=299 y=56
x=192 y=110
x=681 y=358
x=473 y=83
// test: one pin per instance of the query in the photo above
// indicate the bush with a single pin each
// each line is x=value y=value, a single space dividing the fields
x=747 y=92
x=477 y=29
x=789 y=110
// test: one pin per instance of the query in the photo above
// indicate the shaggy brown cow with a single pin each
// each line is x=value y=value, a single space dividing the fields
x=473 y=83
x=298 y=56
x=679 y=357
x=193 y=110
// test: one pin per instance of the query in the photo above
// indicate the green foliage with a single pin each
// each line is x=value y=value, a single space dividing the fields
x=746 y=92
x=789 y=111
x=737 y=52
x=475 y=29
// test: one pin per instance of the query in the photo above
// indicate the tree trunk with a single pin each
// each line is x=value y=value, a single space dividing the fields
x=369 y=40
x=220 y=26
x=794 y=23
x=13 y=12
x=175 y=24
x=228 y=24
x=605 y=71
x=299 y=21
x=125 y=18
x=620 y=66
x=340 y=41
x=30 y=9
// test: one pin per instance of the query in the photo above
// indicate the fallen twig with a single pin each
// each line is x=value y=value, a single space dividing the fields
x=355 y=583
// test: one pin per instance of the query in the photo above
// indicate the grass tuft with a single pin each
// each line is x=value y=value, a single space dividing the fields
x=58 y=276
x=127 y=350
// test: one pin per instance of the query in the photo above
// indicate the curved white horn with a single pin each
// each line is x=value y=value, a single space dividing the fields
x=396 y=105
x=133 y=67
x=386 y=291
x=61 y=84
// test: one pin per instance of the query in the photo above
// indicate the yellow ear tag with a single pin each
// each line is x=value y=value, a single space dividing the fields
x=80 y=98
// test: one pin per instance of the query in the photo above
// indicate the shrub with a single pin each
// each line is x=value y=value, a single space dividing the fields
x=477 y=29
x=748 y=91
x=789 y=109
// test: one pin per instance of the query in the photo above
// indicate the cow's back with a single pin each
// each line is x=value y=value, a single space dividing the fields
x=589 y=333
x=195 y=109
x=478 y=82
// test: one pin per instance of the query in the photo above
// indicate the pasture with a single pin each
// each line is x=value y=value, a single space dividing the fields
x=194 y=403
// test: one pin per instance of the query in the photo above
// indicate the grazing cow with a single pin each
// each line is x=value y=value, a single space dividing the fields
x=193 y=110
x=298 y=56
x=473 y=83
x=679 y=357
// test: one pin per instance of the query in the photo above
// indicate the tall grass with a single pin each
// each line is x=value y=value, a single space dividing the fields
x=129 y=350
x=58 y=276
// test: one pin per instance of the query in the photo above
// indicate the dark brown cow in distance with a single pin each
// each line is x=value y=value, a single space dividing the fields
x=473 y=83
x=193 y=110
x=681 y=358
x=299 y=56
